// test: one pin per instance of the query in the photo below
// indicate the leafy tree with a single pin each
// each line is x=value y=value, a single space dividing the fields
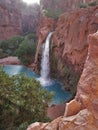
x=10 y=46
x=22 y=101
x=14 y=46
x=92 y=3
x=26 y=51
x=83 y=5
x=14 y=43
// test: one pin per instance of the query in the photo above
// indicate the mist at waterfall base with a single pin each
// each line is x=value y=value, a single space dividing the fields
x=60 y=96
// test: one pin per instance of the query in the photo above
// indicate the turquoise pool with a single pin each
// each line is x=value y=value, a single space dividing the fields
x=60 y=95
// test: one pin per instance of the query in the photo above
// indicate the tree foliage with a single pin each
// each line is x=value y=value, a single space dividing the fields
x=22 y=46
x=9 y=47
x=22 y=101
x=53 y=13
x=26 y=51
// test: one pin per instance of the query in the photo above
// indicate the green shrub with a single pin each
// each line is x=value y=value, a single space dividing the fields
x=22 y=101
x=31 y=36
x=10 y=46
x=53 y=13
x=26 y=51
x=92 y=3
x=4 y=45
x=83 y=5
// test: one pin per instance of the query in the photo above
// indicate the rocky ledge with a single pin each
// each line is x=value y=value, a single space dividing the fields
x=9 y=61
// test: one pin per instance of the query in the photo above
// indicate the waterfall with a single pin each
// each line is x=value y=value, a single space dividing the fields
x=45 y=65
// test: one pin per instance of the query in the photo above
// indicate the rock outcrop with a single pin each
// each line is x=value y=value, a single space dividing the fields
x=10 y=61
x=87 y=97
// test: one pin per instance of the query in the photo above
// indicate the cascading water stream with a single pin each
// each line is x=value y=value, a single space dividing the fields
x=45 y=65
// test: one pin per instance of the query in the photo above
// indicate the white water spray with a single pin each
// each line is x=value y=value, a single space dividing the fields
x=45 y=65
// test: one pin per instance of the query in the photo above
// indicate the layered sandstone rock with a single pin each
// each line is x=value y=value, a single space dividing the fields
x=87 y=97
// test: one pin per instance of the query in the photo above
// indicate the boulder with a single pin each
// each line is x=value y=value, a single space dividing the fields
x=72 y=108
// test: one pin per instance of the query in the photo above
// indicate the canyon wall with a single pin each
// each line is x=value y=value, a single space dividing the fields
x=75 y=43
x=70 y=36
x=82 y=112
x=17 y=18
x=10 y=22
x=30 y=17
x=69 y=46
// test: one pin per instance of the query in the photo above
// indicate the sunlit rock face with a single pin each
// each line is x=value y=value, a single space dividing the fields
x=86 y=98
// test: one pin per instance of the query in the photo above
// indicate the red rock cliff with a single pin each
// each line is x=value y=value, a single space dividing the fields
x=86 y=100
x=10 y=22
x=70 y=37
x=17 y=18
x=69 y=46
